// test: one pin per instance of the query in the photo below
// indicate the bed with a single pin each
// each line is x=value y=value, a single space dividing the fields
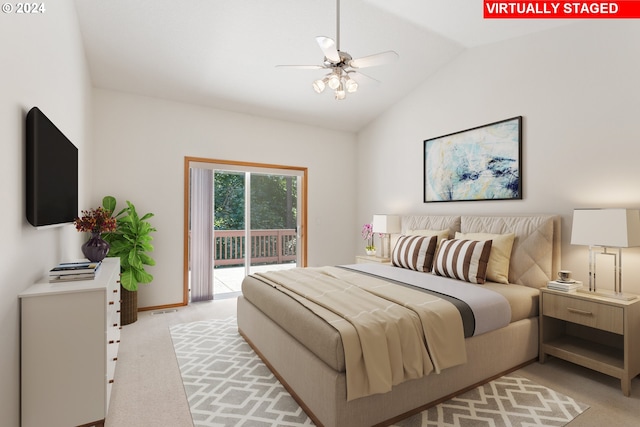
x=308 y=356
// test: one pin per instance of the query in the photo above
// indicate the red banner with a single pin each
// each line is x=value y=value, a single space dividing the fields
x=624 y=9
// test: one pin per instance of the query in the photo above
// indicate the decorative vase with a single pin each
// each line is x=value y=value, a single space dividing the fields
x=95 y=249
x=370 y=251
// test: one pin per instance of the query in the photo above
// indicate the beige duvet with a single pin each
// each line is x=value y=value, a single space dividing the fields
x=390 y=333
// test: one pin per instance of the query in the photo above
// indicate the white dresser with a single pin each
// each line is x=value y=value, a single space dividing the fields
x=70 y=338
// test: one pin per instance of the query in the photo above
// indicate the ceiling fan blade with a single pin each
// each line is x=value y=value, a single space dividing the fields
x=329 y=48
x=302 y=67
x=373 y=60
x=361 y=77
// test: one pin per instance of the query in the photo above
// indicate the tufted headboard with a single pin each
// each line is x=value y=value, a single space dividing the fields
x=535 y=256
x=430 y=222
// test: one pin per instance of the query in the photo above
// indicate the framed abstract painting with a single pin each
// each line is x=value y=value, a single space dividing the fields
x=481 y=163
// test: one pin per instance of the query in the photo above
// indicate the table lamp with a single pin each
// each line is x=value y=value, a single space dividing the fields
x=606 y=228
x=386 y=225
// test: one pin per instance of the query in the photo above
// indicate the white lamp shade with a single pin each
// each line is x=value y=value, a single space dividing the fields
x=616 y=228
x=386 y=224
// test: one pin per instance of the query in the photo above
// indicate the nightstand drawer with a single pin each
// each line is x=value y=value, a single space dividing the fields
x=588 y=313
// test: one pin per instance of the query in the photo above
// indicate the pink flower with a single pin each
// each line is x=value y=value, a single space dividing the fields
x=367 y=234
x=367 y=231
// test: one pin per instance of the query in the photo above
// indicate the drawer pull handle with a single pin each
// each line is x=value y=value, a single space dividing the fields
x=576 y=311
x=111 y=381
x=115 y=291
x=111 y=303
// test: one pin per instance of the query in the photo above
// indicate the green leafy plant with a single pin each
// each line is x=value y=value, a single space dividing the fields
x=130 y=242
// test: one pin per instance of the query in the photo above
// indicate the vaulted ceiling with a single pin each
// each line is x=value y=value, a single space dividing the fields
x=223 y=53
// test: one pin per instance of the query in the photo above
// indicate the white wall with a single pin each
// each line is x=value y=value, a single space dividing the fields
x=43 y=65
x=140 y=148
x=577 y=88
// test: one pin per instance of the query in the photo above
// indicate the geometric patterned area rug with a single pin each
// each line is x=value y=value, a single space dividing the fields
x=227 y=385
x=507 y=401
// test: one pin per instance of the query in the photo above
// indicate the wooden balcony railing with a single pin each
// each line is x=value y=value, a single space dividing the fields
x=267 y=246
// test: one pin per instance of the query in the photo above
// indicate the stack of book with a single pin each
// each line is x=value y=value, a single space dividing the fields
x=564 y=286
x=70 y=271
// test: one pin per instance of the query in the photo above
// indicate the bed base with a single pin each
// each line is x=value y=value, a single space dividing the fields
x=321 y=391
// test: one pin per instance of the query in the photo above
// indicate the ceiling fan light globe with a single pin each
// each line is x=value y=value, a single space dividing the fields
x=318 y=86
x=340 y=95
x=334 y=81
x=351 y=85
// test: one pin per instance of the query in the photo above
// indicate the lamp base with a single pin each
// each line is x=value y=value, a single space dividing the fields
x=614 y=295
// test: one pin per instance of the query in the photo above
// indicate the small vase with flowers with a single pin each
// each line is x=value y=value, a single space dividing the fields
x=367 y=234
x=96 y=222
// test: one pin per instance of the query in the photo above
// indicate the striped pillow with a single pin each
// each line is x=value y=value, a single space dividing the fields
x=414 y=252
x=463 y=260
x=498 y=265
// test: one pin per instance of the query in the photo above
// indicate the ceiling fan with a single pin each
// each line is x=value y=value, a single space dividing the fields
x=342 y=67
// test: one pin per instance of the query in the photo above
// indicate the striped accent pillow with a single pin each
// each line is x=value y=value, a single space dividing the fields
x=414 y=252
x=463 y=260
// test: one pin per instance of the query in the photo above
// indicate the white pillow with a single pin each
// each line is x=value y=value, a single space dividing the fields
x=441 y=234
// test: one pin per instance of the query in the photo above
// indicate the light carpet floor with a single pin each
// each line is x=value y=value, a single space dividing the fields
x=228 y=385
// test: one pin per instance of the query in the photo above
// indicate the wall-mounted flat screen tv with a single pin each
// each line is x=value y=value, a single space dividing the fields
x=52 y=173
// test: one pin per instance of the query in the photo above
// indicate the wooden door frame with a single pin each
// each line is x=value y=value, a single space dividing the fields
x=303 y=203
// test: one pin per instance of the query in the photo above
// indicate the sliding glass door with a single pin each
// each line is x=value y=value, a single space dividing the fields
x=272 y=213
x=257 y=220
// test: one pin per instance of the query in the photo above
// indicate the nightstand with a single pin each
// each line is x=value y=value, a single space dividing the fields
x=362 y=259
x=592 y=331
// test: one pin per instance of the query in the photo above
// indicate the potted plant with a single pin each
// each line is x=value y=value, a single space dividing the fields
x=130 y=242
x=367 y=234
